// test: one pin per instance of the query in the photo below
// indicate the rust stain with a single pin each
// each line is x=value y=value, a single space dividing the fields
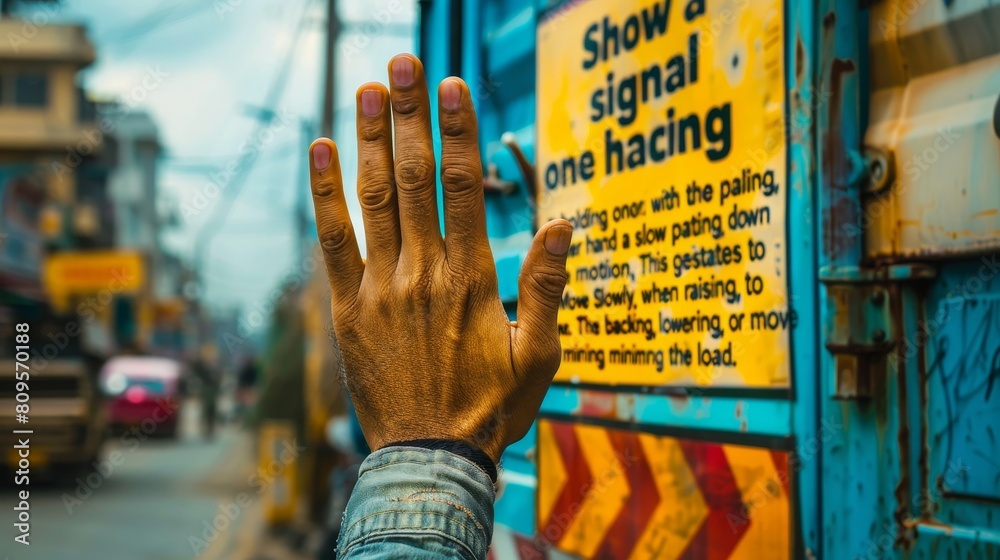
x=626 y=408
x=923 y=462
x=829 y=20
x=800 y=58
x=902 y=492
x=741 y=416
x=597 y=404
x=841 y=207
x=678 y=396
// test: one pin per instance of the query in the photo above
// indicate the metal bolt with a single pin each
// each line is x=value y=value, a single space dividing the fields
x=996 y=118
x=877 y=169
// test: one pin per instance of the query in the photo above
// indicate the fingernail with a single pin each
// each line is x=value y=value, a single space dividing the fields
x=402 y=71
x=451 y=95
x=557 y=240
x=371 y=102
x=321 y=156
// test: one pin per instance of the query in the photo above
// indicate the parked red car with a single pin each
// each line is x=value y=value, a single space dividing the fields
x=144 y=393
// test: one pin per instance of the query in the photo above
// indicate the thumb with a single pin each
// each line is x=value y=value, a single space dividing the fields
x=540 y=288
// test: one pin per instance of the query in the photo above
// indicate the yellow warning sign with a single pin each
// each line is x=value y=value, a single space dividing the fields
x=661 y=137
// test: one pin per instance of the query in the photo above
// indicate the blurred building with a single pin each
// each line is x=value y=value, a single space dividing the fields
x=139 y=221
x=133 y=184
x=53 y=171
x=42 y=142
x=81 y=228
x=80 y=257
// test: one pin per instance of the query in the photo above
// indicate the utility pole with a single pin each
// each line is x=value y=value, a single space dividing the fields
x=302 y=196
x=7 y=6
x=325 y=127
x=329 y=85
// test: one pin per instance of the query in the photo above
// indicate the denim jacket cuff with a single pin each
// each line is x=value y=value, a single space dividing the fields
x=420 y=495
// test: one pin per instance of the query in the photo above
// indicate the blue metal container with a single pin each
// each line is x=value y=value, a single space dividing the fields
x=864 y=422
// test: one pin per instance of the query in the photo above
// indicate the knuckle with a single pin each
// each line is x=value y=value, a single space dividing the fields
x=415 y=172
x=418 y=288
x=457 y=126
x=335 y=238
x=407 y=103
x=459 y=176
x=476 y=275
x=372 y=132
x=546 y=282
x=325 y=187
x=375 y=197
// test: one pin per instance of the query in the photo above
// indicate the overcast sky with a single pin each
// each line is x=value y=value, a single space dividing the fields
x=217 y=58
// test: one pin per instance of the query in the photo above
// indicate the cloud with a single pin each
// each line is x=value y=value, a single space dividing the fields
x=220 y=68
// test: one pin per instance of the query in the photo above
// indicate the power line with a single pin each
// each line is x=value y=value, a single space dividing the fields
x=232 y=191
x=154 y=21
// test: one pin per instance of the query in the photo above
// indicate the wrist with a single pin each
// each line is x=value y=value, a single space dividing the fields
x=463 y=449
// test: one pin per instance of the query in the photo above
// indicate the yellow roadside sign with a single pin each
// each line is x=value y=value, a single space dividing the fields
x=661 y=137
x=86 y=273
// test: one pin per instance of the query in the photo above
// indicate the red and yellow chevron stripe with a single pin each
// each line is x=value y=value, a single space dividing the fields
x=607 y=493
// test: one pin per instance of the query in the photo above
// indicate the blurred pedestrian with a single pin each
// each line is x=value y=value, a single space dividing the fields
x=246 y=385
x=209 y=383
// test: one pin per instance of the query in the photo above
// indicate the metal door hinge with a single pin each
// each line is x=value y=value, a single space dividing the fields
x=859 y=329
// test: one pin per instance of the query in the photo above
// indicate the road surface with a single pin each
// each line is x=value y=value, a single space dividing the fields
x=159 y=503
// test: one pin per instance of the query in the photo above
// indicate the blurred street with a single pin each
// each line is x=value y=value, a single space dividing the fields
x=150 y=506
x=136 y=210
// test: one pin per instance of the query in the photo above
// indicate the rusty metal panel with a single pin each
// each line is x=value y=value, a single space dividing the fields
x=935 y=80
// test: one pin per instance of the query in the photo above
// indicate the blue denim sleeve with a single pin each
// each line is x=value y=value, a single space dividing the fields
x=418 y=503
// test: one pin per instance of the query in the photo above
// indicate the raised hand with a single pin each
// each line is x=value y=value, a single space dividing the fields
x=428 y=349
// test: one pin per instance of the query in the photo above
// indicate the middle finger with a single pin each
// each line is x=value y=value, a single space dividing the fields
x=414 y=165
